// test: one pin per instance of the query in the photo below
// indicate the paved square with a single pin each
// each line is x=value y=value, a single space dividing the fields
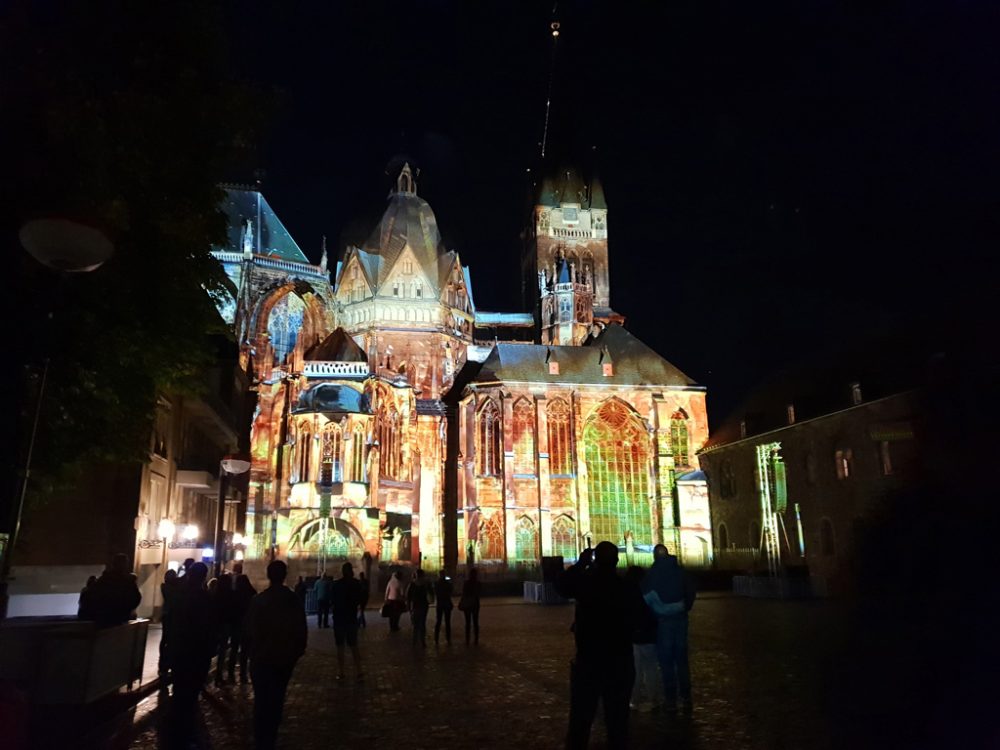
x=757 y=669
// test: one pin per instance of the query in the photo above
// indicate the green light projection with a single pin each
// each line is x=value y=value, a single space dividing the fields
x=617 y=453
x=525 y=540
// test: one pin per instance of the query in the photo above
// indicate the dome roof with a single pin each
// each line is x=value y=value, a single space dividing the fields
x=333 y=398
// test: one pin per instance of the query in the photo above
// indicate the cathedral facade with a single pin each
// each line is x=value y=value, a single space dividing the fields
x=393 y=425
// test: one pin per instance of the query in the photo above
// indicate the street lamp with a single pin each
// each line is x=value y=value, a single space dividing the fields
x=229 y=465
x=68 y=247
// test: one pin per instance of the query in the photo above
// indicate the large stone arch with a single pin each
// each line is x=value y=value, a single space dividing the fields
x=315 y=315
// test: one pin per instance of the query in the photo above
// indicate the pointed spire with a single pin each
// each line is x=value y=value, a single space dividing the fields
x=406 y=182
x=248 y=240
x=323 y=260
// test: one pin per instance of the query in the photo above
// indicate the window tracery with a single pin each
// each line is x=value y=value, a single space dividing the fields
x=679 y=442
x=524 y=437
x=489 y=435
x=560 y=446
x=331 y=469
x=564 y=538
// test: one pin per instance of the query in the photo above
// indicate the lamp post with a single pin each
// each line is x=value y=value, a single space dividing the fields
x=67 y=247
x=229 y=465
x=165 y=530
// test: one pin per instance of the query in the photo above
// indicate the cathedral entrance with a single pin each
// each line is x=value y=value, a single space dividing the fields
x=617 y=453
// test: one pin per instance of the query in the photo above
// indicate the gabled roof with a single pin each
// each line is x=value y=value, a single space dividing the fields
x=337 y=347
x=634 y=363
x=408 y=221
x=270 y=238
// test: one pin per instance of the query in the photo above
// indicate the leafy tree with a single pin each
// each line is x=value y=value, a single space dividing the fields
x=125 y=118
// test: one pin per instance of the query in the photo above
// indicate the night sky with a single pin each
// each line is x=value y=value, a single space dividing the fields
x=781 y=177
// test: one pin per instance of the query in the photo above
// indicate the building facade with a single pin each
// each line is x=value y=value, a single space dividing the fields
x=392 y=424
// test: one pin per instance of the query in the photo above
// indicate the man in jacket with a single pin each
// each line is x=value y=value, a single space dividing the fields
x=347 y=595
x=324 y=593
x=276 y=632
x=603 y=670
x=670 y=593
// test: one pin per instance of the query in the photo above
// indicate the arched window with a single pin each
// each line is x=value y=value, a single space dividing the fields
x=679 y=438
x=827 y=543
x=564 y=538
x=755 y=538
x=305 y=453
x=489 y=437
x=723 y=536
x=331 y=469
x=560 y=446
x=844 y=460
x=525 y=540
x=491 y=538
x=617 y=452
x=358 y=455
x=389 y=442
x=524 y=437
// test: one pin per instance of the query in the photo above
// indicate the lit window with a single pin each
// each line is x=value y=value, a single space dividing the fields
x=305 y=449
x=390 y=453
x=408 y=267
x=844 y=459
x=331 y=470
x=524 y=437
x=490 y=435
x=679 y=443
x=564 y=538
x=525 y=540
x=791 y=413
x=560 y=448
x=491 y=538
x=358 y=455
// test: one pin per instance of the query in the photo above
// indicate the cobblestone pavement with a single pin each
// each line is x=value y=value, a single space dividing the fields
x=756 y=667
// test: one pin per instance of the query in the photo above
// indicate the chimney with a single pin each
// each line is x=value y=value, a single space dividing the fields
x=790 y=410
x=855 y=393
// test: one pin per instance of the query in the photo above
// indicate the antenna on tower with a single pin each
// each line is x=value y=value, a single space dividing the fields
x=554 y=27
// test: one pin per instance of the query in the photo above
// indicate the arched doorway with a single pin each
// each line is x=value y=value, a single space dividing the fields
x=617 y=451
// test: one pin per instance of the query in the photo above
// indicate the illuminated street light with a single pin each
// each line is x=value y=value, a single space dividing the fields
x=166 y=529
x=228 y=465
x=190 y=533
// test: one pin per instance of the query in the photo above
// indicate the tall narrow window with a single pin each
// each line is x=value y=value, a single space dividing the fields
x=489 y=435
x=679 y=443
x=617 y=452
x=843 y=459
x=331 y=470
x=389 y=442
x=885 y=458
x=358 y=455
x=564 y=538
x=524 y=437
x=492 y=546
x=560 y=447
x=525 y=540
x=305 y=451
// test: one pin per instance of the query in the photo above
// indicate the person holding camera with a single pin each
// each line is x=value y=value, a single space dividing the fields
x=603 y=669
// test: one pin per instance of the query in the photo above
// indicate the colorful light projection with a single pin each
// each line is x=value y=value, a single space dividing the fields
x=771 y=488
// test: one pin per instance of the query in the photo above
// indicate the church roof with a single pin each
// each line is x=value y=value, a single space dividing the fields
x=408 y=221
x=634 y=363
x=566 y=185
x=337 y=347
x=270 y=238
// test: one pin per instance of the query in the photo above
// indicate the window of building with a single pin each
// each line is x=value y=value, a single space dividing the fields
x=844 y=463
x=419 y=291
x=885 y=457
x=358 y=455
x=331 y=469
x=790 y=413
x=524 y=437
x=305 y=451
x=723 y=536
x=525 y=540
x=617 y=452
x=489 y=437
x=560 y=446
x=679 y=443
x=407 y=266
x=395 y=289
x=564 y=538
x=389 y=442
x=570 y=214
x=491 y=536
x=827 y=545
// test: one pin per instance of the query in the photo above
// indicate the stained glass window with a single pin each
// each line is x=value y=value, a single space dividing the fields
x=526 y=539
x=358 y=455
x=524 y=437
x=283 y=325
x=617 y=451
x=331 y=470
x=560 y=447
x=679 y=438
x=489 y=436
x=389 y=442
x=564 y=538
x=491 y=538
x=305 y=449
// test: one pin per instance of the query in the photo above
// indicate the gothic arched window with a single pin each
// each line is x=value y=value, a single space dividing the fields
x=492 y=538
x=560 y=445
x=490 y=431
x=331 y=469
x=524 y=437
x=617 y=452
x=525 y=540
x=305 y=451
x=389 y=442
x=564 y=538
x=679 y=443
x=358 y=455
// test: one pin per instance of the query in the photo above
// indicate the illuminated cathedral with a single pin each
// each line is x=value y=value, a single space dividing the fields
x=396 y=419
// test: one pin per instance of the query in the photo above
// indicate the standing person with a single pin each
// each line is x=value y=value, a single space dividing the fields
x=365 y=593
x=84 y=606
x=647 y=680
x=603 y=669
x=169 y=590
x=395 y=600
x=301 y=591
x=192 y=646
x=276 y=632
x=324 y=591
x=469 y=604
x=243 y=594
x=418 y=597
x=114 y=596
x=670 y=593
x=225 y=616
x=346 y=601
x=443 y=589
